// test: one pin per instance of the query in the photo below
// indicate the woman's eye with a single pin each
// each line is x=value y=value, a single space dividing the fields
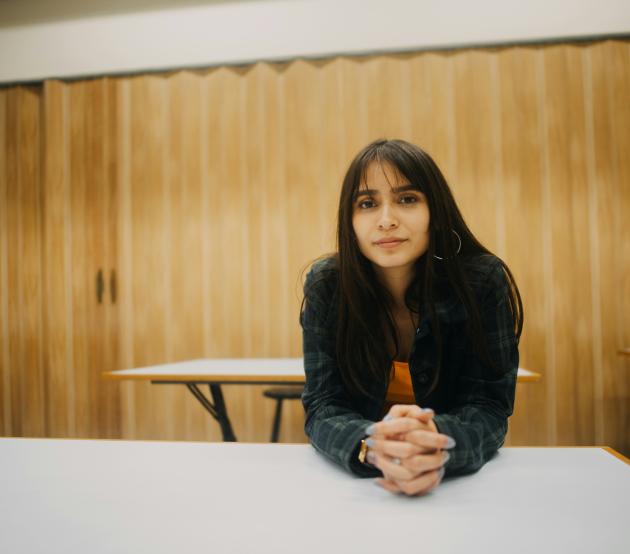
x=366 y=204
x=408 y=199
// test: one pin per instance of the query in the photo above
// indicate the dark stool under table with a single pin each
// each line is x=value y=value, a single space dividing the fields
x=279 y=394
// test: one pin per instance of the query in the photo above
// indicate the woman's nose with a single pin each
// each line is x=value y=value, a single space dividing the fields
x=387 y=219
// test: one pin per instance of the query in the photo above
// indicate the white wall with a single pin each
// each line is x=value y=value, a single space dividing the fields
x=249 y=31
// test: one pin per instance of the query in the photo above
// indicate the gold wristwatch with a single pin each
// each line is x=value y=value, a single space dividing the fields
x=363 y=452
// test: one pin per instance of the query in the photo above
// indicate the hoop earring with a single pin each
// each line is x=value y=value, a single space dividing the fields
x=459 y=247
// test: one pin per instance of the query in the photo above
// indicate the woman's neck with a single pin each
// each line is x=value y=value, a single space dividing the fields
x=397 y=281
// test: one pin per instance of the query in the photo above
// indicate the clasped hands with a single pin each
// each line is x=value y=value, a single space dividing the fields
x=408 y=448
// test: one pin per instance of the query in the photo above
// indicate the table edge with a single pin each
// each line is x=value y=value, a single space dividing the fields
x=608 y=449
x=616 y=454
x=230 y=378
x=222 y=378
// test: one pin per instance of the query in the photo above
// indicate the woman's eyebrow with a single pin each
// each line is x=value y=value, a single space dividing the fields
x=395 y=190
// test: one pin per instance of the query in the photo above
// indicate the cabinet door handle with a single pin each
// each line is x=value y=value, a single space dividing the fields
x=100 y=286
x=112 y=286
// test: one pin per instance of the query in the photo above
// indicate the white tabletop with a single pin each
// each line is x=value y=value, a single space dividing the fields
x=236 y=370
x=79 y=496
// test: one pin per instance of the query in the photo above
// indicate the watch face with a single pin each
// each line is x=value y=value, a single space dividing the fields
x=363 y=451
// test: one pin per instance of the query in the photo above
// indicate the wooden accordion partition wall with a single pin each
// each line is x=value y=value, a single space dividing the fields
x=200 y=196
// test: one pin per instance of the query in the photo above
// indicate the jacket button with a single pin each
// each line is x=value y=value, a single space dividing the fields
x=423 y=378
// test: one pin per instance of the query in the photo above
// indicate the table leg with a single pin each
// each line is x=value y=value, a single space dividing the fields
x=223 y=419
x=216 y=410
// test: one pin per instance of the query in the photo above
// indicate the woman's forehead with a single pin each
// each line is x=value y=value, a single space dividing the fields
x=381 y=175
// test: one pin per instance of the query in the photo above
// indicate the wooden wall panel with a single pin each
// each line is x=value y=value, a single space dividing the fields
x=124 y=251
x=478 y=159
x=184 y=309
x=523 y=183
x=6 y=420
x=432 y=110
x=83 y=272
x=307 y=131
x=145 y=266
x=569 y=228
x=76 y=188
x=57 y=257
x=610 y=81
x=93 y=134
x=223 y=185
x=229 y=230
x=109 y=398
x=21 y=293
x=508 y=137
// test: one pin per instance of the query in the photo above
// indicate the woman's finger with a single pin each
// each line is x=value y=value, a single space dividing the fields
x=426 y=462
x=410 y=410
x=422 y=484
x=429 y=440
x=393 y=448
x=395 y=426
x=392 y=467
x=388 y=485
x=441 y=472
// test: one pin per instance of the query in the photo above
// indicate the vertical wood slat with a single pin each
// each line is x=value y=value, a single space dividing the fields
x=547 y=247
x=24 y=250
x=618 y=86
x=23 y=372
x=603 y=199
x=594 y=247
x=184 y=333
x=57 y=257
x=124 y=250
x=76 y=185
x=94 y=133
x=433 y=109
x=110 y=393
x=83 y=286
x=11 y=292
x=475 y=189
x=570 y=237
x=522 y=167
x=6 y=419
x=146 y=212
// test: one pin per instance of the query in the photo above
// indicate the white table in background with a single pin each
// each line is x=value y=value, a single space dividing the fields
x=233 y=371
x=97 y=497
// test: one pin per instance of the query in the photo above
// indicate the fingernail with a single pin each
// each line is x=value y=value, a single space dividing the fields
x=445 y=457
x=370 y=430
x=371 y=457
x=428 y=410
x=450 y=442
x=441 y=474
x=388 y=417
x=369 y=442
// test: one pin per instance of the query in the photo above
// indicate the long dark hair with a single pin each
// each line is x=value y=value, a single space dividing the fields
x=365 y=317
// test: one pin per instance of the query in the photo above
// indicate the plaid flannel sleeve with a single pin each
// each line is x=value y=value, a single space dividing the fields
x=333 y=425
x=484 y=398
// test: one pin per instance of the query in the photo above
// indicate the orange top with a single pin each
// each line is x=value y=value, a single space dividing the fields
x=400 y=389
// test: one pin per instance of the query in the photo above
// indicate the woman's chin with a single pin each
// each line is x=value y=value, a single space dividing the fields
x=392 y=262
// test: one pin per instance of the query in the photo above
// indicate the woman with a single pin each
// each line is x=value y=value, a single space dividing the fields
x=412 y=319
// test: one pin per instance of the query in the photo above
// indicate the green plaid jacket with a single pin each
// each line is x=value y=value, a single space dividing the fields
x=472 y=401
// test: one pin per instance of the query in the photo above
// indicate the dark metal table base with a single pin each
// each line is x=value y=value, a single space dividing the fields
x=218 y=410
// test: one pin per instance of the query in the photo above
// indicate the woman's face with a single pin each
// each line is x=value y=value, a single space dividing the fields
x=387 y=208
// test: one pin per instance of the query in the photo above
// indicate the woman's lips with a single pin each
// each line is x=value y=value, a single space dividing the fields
x=392 y=244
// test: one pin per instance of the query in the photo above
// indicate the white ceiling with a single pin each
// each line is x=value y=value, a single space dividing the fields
x=79 y=38
x=26 y=12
